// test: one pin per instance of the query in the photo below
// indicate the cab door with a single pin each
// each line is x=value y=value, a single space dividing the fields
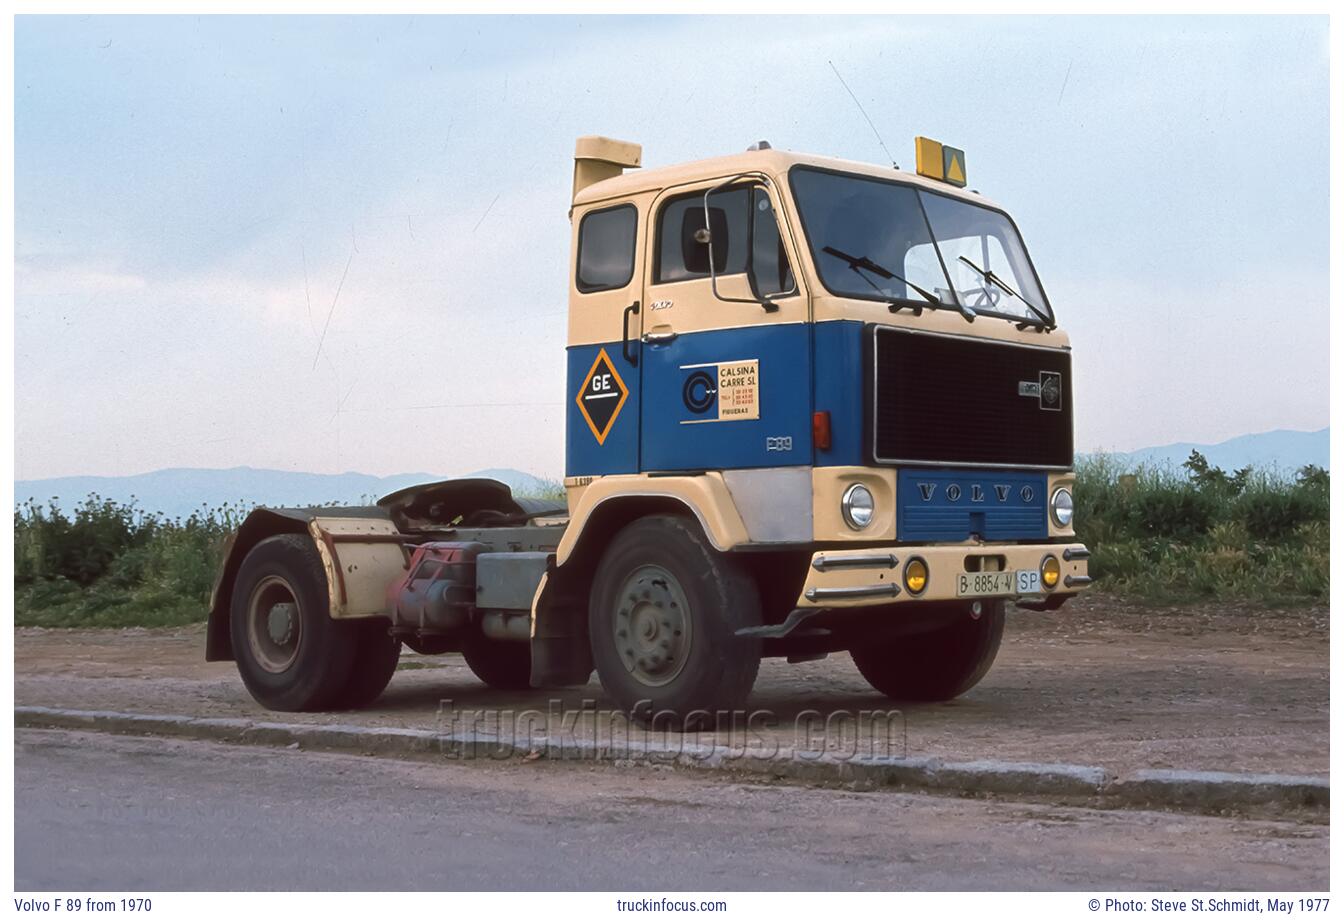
x=725 y=377
x=602 y=359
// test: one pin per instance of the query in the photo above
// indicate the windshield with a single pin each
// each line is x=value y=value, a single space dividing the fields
x=894 y=241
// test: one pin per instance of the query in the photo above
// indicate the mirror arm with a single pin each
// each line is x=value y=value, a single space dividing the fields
x=764 y=302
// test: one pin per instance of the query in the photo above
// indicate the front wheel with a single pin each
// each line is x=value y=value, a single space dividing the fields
x=938 y=665
x=662 y=618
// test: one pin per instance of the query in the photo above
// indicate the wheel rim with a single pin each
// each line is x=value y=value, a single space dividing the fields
x=652 y=628
x=274 y=626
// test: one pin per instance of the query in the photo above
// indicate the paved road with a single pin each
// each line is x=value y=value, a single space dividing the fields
x=103 y=812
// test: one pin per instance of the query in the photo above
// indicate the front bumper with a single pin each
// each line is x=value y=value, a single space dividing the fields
x=868 y=577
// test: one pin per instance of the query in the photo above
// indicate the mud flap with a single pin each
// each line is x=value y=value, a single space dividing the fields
x=561 y=661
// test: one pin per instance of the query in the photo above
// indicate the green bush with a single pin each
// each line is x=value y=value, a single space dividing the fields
x=1203 y=533
x=114 y=565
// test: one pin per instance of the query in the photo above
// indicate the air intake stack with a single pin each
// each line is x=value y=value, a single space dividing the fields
x=597 y=158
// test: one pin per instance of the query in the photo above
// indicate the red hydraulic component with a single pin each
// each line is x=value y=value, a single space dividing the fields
x=438 y=592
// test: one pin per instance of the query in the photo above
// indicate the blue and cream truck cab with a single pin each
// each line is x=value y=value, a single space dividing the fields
x=812 y=406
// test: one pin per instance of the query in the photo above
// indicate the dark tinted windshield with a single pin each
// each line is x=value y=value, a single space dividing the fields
x=913 y=235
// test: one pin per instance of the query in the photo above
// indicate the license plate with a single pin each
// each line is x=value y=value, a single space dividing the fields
x=998 y=584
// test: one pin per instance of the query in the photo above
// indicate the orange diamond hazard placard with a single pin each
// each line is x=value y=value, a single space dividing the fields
x=601 y=396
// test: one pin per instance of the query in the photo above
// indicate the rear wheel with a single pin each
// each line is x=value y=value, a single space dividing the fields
x=291 y=654
x=502 y=665
x=375 y=661
x=937 y=665
x=662 y=618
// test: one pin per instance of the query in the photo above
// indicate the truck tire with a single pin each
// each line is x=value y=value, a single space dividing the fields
x=662 y=615
x=501 y=665
x=291 y=654
x=938 y=665
x=375 y=661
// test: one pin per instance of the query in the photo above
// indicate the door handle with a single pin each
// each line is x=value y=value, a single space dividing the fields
x=625 y=335
x=658 y=338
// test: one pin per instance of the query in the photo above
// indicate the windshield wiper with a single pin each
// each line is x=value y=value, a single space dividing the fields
x=988 y=275
x=866 y=264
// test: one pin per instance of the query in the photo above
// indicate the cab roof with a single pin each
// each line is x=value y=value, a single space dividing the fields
x=774 y=163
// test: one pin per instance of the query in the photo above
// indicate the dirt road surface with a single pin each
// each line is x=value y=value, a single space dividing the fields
x=1100 y=683
x=102 y=812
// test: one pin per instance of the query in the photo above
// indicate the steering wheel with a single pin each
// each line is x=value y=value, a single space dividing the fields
x=982 y=296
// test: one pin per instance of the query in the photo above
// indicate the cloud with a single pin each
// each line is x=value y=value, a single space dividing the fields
x=189 y=206
x=47 y=277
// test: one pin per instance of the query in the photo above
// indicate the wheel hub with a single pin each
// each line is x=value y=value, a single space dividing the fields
x=274 y=625
x=652 y=626
x=280 y=623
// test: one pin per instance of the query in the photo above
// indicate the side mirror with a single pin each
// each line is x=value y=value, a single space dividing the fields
x=714 y=225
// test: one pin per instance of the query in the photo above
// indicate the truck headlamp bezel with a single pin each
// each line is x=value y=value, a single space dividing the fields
x=1061 y=507
x=851 y=508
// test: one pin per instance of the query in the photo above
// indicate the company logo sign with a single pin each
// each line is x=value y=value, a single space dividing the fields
x=601 y=396
x=1047 y=389
x=722 y=391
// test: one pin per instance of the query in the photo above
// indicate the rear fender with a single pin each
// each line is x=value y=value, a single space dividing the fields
x=361 y=548
x=361 y=552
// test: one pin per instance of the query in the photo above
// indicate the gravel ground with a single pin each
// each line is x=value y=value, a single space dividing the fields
x=1122 y=686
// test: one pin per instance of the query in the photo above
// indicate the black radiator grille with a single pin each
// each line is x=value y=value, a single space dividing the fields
x=954 y=400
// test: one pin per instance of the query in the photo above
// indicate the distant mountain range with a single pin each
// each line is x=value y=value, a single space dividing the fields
x=178 y=492
x=1281 y=450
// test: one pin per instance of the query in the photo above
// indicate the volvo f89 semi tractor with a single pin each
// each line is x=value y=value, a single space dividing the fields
x=812 y=406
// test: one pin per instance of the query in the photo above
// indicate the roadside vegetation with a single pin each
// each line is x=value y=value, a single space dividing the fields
x=109 y=564
x=1164 y=535
x=1199 y=532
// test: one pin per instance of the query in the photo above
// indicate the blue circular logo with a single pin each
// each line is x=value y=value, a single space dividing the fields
x=699 y=392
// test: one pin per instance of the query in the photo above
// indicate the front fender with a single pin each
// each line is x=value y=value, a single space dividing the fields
x=706 y=496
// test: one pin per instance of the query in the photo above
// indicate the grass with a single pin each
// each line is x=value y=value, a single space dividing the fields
x=1161 y=535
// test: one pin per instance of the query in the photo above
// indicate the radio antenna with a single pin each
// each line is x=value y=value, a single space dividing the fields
x=865 y=115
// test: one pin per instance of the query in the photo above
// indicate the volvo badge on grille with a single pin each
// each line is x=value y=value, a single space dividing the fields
x=953 y=492
x=1046 y=390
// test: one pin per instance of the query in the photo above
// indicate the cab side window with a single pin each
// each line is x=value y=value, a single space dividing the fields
x=743 y=233
x=606 y=249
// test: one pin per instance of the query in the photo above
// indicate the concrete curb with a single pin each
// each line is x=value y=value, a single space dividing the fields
x=1184 y=790
x=1211 y=791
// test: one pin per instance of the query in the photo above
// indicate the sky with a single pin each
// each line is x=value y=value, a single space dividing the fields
x=341 y=243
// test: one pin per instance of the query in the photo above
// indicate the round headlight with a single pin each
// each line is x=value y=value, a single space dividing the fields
x=1061 y=507
x=857 y=506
